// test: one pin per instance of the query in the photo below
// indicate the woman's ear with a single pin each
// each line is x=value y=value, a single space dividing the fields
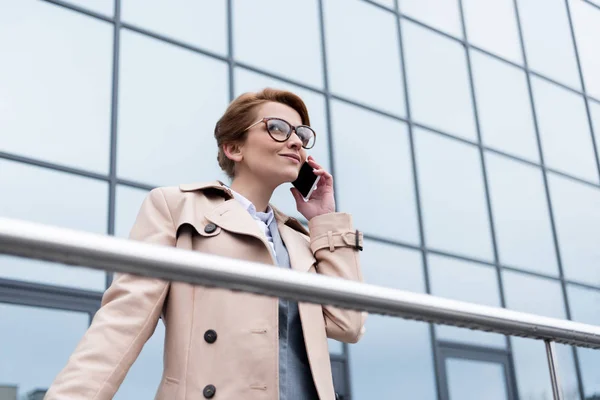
x=233 y=151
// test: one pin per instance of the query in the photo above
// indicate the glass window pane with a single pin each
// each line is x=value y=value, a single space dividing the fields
x=504 y=107
x=440 y=94
x=387 y=3
x=492 y=25
x=199 y=23
x=470 y=282
x=577 y=217
x=106 y=7
x=169 y=102
x=564 y=130
x=441 y=14
x=584 y=308
x=452 y=195
x=475 y=380
x=56 y=79
x=248 y=81
x=521 y=217
x=291 y=48
x=53 y=198
x=394 y=356
x=548 y=40
x=542 y=297
x=380 y=195
x=586 y=23
x=359 y=69
x=595 y=117
x=37 y=345
x=144 y=377
x=129 y=201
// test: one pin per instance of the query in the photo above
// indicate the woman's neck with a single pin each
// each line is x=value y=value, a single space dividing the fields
x=253 y=190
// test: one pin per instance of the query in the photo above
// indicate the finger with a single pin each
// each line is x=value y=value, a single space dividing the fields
x=311 y=161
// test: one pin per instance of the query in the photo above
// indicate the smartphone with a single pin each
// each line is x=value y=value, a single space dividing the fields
x=307 y=181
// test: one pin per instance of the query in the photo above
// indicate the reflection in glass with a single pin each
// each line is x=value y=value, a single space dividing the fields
x=379 y=195
x=577 y=216
x=440 y=94
x=441 y=14
x=248 y=81
x=56 y=78
x=359 y=69
x=166 y=125
x=394 y=356
x=199 y=23
x=475 y=380
x=54 y=198
x=492 y=25
x=36 y=344
x=542 y=297
x=269 y=42
x=548 y=41
x=521 y=216
x=143 y=378
x=500 y=91
x=452 y=195
x=470 y=282
x=584 y=308
x=586 y=24
x=564 y=130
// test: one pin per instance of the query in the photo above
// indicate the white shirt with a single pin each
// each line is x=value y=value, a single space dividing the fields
x=263 y=219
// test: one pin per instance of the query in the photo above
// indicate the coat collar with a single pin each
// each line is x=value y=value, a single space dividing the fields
x=231 y=215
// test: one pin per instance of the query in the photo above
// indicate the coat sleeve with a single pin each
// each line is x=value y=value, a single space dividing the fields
x=126 y=320
x=333 y=241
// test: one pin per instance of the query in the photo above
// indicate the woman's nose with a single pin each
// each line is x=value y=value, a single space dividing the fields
x=294 y=141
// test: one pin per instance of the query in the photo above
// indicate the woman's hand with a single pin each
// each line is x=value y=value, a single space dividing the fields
x=321 y=201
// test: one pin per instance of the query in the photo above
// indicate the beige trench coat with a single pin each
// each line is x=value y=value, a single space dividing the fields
x=242 y=363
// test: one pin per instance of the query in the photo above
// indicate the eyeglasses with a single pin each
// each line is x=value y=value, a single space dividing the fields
x=280 y=130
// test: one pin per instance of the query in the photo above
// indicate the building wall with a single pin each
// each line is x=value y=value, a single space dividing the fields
x=474 y=125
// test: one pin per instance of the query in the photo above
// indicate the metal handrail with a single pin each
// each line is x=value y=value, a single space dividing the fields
x=109 y=253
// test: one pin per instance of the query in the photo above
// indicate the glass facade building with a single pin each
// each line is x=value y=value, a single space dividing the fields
x=463 y=135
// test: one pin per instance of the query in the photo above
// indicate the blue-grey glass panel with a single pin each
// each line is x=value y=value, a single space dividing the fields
x=36 y=344
x=492 y=25
x=595 y=117
x=501 y=91
x=363 y=54
x=470 y=282
x=374 y=178
x=586 y=23
x=128 y=203
x=386 y=3
x=169 y=102
x=145 y=374
x=564 y=130
x=577 y=217
x=248 y=81
x=54 y=198
x=106 y=7
x=475 y=380
x=394 y=355
x=56 y=79
x=438 y=82
x=452 y=195
x=585 y=308
x=440 y=14
x=199 y=23
x=521 y=216
x=542 y=297
x=282 y=37
x=548 y=41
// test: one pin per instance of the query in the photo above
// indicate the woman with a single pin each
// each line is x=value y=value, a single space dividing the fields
x=221 y=344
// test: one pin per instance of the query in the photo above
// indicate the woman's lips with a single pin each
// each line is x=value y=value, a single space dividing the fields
x=291 y=157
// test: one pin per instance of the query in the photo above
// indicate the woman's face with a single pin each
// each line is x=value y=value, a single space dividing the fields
x=272 y=162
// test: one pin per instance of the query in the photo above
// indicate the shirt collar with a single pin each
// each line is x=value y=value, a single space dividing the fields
x=265 y=217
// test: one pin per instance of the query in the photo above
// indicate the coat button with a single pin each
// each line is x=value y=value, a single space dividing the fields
x=210 y=336
x=209 y=391
x=210 y=228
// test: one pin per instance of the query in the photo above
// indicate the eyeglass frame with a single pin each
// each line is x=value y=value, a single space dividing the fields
x=292 y=130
